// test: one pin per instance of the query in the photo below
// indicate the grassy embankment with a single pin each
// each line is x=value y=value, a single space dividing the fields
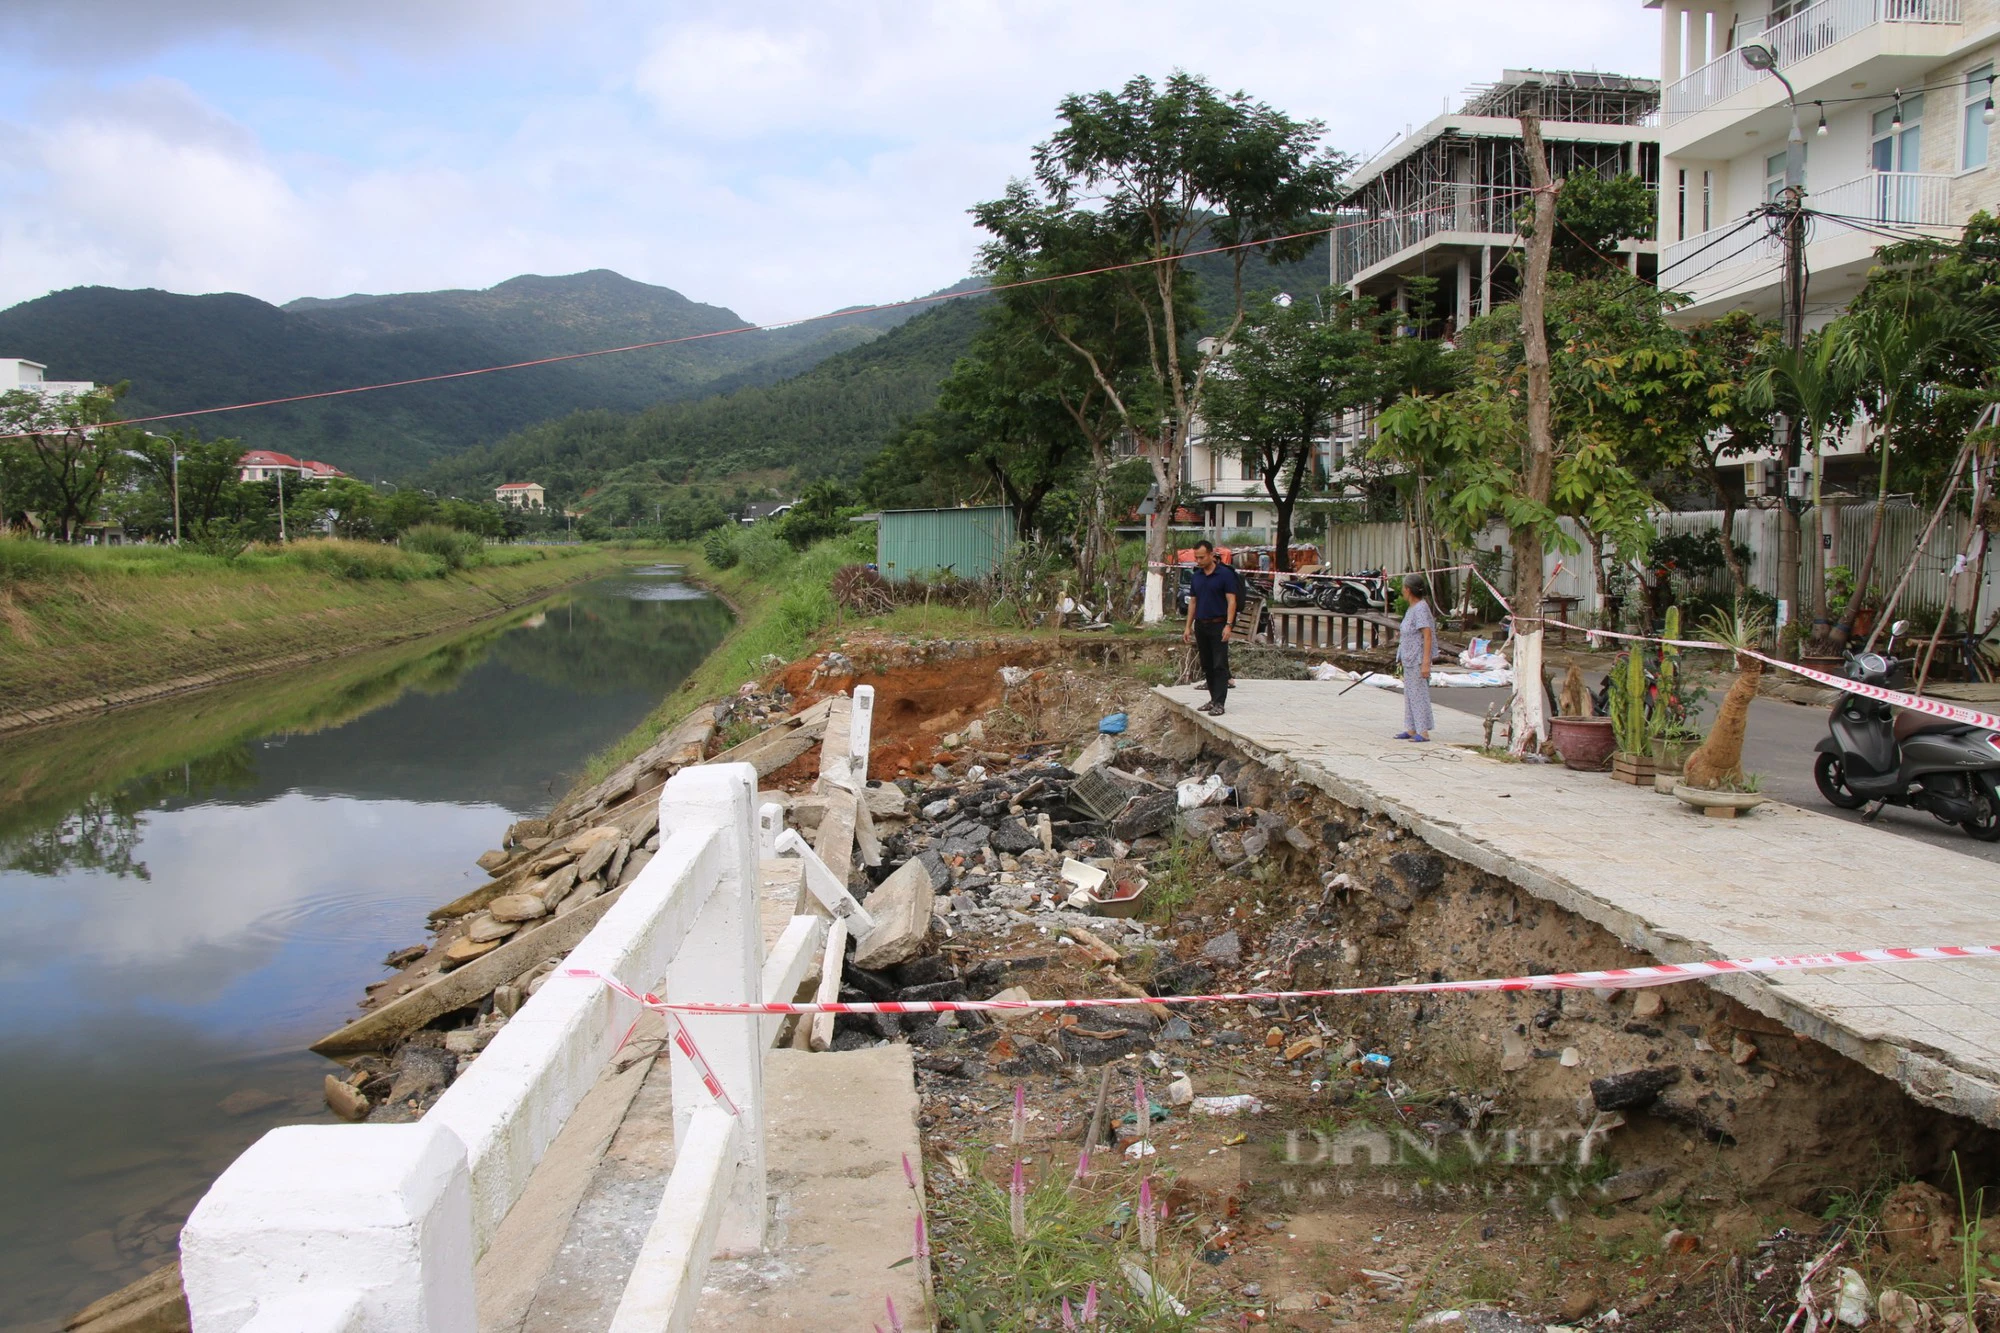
x=82 y=628
x=781 y=605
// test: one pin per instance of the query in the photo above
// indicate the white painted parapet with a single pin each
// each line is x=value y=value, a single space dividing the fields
x=369 y=1224
x=860 y=731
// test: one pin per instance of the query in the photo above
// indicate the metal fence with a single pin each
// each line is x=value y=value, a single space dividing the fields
x=1353 y=546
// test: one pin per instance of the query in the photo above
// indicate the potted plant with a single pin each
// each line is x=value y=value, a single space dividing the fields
x=1633 y=723
x=1677 y=703
x=1714 y=780
x=1583 y=740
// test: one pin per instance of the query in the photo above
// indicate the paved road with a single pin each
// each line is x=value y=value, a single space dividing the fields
x=1779 y=744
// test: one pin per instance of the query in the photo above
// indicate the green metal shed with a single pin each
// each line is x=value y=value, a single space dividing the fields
x=968 y=542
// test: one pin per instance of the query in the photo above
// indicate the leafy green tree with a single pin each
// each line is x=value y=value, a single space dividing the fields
x=1169 y=165
x=207 y=471
x=58 y=457
x=819 y=513
x=1286 y=379
x=403 y=508
x=1594 y=214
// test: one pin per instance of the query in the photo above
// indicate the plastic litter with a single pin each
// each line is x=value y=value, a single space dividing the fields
x=1154 y=1112
x=1240 y=1104
x=1201 y=791
x=1139 y=1148
x=1114 y=725
x=1011 y=676
x=1855 y=1302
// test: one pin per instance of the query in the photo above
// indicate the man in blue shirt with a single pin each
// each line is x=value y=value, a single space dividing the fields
x=1211 y=611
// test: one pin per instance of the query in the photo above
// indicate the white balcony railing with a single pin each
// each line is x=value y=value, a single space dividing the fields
x=1685 y=262
x=376 y=1228
x=1907 y=197
x=1803 y=35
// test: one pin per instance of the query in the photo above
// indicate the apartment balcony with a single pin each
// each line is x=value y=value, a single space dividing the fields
x=1738 y=264
x=1828 y=50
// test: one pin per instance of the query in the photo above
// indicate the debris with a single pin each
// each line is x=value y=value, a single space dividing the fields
x=1570 y=1057
x=1648 y=1003
x=1298 y=1050
x=1240 y=1104
x=1854 y=1302
x=1157 y=1297
x=1677 y=1241
x=1095 y=755
x=1634 y=1184
x=1087 y=878
x=901 y=906
x=1181 y=1091
x=1633 y=1090
x=1918 y=1220
x=1093 y=947
x=1224 y=948
x=1114 y=725
x=1198 y=792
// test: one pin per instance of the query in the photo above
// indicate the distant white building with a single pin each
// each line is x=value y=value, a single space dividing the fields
x=266 y=464
x=17 y=373
x=521 y=495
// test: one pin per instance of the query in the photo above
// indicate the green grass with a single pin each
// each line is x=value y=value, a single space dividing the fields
x=79 y=623
x=988 y=1282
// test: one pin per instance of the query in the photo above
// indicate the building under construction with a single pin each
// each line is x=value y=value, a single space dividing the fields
x=1441 y=202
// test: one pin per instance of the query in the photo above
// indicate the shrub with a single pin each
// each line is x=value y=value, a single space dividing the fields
x=221 y=537
x=720 y=547
x=763 y=552
x=458 y=550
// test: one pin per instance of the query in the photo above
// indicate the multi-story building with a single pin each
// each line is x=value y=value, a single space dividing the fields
x=521 y=495
x=1440 y=203
x=17 y=374
x=1894 y=99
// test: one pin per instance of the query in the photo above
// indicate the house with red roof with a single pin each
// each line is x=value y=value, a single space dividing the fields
x=521 y=495
x=268 y=464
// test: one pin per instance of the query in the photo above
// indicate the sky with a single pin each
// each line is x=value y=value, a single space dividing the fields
x=778 y=157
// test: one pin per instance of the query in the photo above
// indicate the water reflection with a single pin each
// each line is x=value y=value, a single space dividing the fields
x=194 y=891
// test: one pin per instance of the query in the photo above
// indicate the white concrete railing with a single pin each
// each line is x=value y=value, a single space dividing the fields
x=1804 y=34
x=376 y=1228
x=1908 y=197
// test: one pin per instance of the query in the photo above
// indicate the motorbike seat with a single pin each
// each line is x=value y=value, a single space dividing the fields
x=1910 y=724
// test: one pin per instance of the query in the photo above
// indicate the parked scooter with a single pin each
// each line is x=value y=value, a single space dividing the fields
x=1876 y=753
x=1351 y=594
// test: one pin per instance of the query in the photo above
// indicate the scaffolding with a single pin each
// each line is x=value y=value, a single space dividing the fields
x=1466 y=174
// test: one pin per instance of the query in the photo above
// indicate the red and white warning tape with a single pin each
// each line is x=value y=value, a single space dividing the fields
x=1918 y=703
x=1617 y=978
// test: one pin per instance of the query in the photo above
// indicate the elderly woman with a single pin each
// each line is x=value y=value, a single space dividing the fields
x=1414 y=650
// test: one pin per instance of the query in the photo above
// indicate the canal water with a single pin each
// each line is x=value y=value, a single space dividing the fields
x=192 y=892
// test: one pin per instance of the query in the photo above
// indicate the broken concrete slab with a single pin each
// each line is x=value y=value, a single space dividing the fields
x=901 y=906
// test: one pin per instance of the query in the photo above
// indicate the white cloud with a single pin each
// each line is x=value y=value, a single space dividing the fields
x=781 y=158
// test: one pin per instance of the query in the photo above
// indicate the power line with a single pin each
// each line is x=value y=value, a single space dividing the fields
x=846 y=313
x=1736 y=230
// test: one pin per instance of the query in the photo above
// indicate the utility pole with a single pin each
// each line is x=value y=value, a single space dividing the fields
x=1790 y=212
x=281 y=507
x=177 y=490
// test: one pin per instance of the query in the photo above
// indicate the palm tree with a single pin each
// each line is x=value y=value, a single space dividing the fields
x=1890 y=349
x=1719 y=761
x=1817 y=387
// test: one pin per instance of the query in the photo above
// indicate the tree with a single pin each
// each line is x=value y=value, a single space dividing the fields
x=205 y=472
x=1890 y=348
x=1815 y=386
x=1594 y=214
x=1012 y=395
x=1284 y=382
x=817 y=515
x=1168 y=165
x=57 y=455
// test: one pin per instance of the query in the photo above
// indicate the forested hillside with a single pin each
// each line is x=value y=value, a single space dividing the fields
x=827 y=421
x=182 y=352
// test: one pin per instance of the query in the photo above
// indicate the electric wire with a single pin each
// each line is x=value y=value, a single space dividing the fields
x=846 y=313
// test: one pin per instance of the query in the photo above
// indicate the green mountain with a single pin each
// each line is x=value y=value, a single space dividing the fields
x=182 y=352
x=827 y=420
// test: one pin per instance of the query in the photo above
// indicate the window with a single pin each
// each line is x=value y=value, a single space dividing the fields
x=1681 y=208
x=1978 y=96
x=1898 y=138
x=1896 y=150
x=1244 y=518
x=1707 y=198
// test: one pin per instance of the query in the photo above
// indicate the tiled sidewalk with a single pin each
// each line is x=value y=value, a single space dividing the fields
x=1675 y=884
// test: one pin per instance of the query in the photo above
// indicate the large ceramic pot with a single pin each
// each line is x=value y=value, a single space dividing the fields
x=1584 y=743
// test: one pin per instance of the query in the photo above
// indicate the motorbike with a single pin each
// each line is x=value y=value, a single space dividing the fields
x=1875 y=753
x=1351 y=594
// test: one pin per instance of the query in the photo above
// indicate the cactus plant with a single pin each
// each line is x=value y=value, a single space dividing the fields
x=1629 y=717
